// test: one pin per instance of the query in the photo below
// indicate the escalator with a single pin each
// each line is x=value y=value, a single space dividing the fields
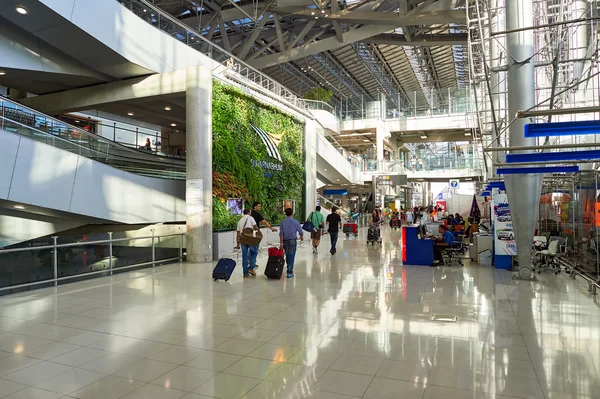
x=26 y=122
x=52 y=169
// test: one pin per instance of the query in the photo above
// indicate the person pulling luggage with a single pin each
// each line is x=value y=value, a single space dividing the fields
x=260 y=220
x=289 y=229
x=249 y=251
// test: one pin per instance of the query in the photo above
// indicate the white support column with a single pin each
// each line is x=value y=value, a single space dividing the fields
x=310 y=165
x=198 y=102
x=523 y=190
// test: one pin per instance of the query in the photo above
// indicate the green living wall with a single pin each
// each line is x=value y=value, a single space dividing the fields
x=237 y=148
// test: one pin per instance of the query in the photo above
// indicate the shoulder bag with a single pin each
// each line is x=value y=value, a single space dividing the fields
x=250 y=236
x=308 y=226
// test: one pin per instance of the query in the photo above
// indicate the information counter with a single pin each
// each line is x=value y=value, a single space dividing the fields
x=416 y=251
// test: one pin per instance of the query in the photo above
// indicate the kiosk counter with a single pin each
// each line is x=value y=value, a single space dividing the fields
x=416 y=250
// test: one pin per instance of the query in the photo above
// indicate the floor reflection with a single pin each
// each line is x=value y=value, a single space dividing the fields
x=354 y=325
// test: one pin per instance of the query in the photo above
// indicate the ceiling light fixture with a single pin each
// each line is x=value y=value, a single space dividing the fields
x=312 y=13
x=130 y=113
x=316 y=17
x=325 y=170
x=21 y=10
x=338 y=179
x=173 y=124
x=2 y=73
x=322 y=11
x=19 y=207
x=366 y=141
x=167 y=108
x=325 y=15
x=423 y=137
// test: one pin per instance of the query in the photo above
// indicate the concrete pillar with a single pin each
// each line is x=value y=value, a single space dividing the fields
x=310 y=165
x=344 y=202
x=198 y=102
x=523 y=190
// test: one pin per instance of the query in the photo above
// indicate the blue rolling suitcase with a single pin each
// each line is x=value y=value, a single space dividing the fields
x=223 y=269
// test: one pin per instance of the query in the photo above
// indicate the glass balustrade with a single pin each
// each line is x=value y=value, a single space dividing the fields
x=55 y=260
x=34 y=125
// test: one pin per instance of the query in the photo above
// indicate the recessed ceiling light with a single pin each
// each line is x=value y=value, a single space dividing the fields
x=467 y=134
x=322 y=11
x=167 y=108
x=173 y=124
x=145 y=10
x=21 y=10
x=19 y=207
x=316 y=17
x=77 y=121
x=130 y=113
x=338 y=179
x=2 y=73
x=423 y=137
x=325 y=15
x=325 y=170
x=312 y=13
x=366 y=141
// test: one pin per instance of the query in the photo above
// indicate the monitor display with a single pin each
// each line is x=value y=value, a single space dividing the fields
x=235 y=206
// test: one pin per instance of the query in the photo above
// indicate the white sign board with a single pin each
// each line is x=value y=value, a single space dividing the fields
x=194 y=200
x=504 y=240
x=454 y=183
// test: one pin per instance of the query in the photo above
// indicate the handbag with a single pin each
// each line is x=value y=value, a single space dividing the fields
x=308 y=226
x=250 y=236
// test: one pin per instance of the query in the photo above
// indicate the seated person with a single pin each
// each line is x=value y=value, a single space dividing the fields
x=445 y=241
x=459 y=219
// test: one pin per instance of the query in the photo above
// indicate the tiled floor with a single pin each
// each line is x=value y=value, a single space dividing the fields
x=355 y=325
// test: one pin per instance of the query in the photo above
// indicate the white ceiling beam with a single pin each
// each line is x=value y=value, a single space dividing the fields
x=248 y=45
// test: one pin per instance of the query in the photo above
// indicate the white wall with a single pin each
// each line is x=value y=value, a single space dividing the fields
x=16 y=227
x=38 y=174
x=128 y=35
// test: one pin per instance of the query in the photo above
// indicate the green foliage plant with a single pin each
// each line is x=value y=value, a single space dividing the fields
x=319 y=94
x=236 y=145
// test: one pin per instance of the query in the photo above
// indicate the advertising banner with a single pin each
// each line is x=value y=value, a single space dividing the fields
x=504 y=236
x=441 y=204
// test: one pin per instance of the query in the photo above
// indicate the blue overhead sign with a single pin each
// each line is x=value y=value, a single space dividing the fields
x=335 y=192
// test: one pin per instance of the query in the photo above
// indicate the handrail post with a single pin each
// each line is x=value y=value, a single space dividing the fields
x=115 y=132
x=181 y=247
x=153 y=250
x=110 y=252
x=55 y=259
x=136 y=137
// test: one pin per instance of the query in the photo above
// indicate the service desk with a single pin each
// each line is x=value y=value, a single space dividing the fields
x=416 y=251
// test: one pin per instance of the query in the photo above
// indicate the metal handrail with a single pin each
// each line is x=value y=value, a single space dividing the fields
x=83 y=132
x=110 y=270
x=278 y=89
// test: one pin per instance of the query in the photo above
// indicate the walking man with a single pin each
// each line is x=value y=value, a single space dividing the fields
x=260 y=220
x=335 y=223
x=248 y=252
x=318 y=221
x=288 y=236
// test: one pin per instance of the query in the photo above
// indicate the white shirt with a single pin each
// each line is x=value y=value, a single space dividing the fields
x=246 y=221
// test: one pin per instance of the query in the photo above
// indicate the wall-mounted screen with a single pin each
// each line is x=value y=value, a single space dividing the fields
x=235 y=205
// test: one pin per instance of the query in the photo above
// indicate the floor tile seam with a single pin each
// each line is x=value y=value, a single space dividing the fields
x=373 y=379
x=279 y=364
x=27 y=387
x=529 y=353
x=474 y=390
x=68 y=371
x=66 y=353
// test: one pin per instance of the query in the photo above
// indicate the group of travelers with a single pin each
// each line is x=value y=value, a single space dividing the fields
x=289 y=231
